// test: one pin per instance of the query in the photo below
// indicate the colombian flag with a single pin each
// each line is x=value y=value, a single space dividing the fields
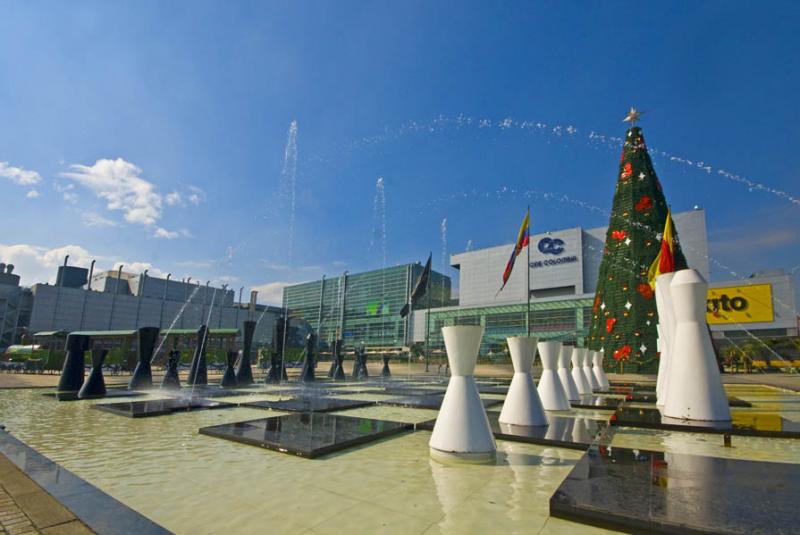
x=522 y=241
x=665 y=260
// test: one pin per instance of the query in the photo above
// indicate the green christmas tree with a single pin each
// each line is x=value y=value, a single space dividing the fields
x=624 y=315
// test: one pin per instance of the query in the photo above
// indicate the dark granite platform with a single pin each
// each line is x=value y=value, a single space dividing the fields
x=307 y=434
x=430 y=401
x=210 y=391
x=563 y=431
x=159 y=407
x=493 y=389
x=650 y=397
x=400 y=391
x=309 y=404
x=111 y=393
x=644 y=491
x=592 y=401
x=747 y=423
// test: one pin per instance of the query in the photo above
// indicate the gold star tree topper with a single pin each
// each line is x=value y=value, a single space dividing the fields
x=633 y=116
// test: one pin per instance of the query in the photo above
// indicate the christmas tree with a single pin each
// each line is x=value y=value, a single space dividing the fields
x=624 y=313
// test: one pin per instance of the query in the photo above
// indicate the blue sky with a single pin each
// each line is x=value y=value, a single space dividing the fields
x=154 y=133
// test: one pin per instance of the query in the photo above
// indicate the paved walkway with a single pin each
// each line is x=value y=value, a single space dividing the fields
x=26 y=508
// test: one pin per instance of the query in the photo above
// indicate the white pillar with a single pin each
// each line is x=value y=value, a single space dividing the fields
x=587 y=370
x=551 y=391
x=462 y=431
x=577 y=371
x=522 y=405
x=598 y=372
x=666 y=331
x=694 y=387
x=563 y=374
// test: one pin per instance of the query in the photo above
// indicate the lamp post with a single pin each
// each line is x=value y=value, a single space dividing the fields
x=185 y=301
x=205 y=300
x=221 y=308
x=86 y=294
x=163 y=300
x=238 y=307
x=142 y=282
x=114 y=297
x=58 y=293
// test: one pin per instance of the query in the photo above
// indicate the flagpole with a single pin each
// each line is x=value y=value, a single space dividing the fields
x=428 y=317
x=528 y=272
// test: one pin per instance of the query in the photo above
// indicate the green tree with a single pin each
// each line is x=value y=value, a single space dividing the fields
x=624 y=315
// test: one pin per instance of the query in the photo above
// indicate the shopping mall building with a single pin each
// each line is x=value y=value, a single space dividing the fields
x=563 y=268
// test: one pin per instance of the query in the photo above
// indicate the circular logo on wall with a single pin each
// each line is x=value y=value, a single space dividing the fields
x=554 y=246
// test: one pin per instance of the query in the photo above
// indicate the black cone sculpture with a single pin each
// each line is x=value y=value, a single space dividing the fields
x=72 y=372
x=385 y=372
x=143 y=374
x=244 y=371
x=229 y=377
x=277 y=372
x=172 y=380
x=338 y=373
x=95 y=386
x=307 y=376
x=198 y=372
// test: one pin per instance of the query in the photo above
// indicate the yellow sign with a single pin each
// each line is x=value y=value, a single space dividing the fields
x=740 y=304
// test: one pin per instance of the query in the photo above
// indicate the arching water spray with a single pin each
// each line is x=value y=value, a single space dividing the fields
x=443 y=232
x=289 y=181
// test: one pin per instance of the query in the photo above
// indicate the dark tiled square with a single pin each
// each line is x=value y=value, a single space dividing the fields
x=429 y=401
x=645 y=491
x=493 y=389
x=208 y=391
x=744 y=422
x=307 y=434
x=111 y=393
x=593 y=401
x=309 y=404
x=159 y=407
x=650 y=397
x=400 y=391
x=563 y=431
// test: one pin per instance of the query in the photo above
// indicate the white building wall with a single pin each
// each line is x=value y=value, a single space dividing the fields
x=96 y=308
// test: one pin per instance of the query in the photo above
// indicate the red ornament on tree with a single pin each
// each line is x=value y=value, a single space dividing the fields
x=623 y=353
x=627 y=171
x=610 y=322
x=619 y=235
x=645 y=290
x=645 y=203
x=596 y=303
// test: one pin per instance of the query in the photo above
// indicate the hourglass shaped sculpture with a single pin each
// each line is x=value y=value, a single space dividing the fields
x=587 y=370
x=694 y=387
x=551 y=391
x=462 y=432
x=598 y=372
x=581 y=384
x=563 y=374
x=522 y=405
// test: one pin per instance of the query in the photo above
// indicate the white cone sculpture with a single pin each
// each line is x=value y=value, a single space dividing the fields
x=522 y=405
x=598 y=372
x=587 y=370
x=563 y=374
x=694 y=388
x=551 y=391
x=462 y=431
x=581 y=383
x=666 y=331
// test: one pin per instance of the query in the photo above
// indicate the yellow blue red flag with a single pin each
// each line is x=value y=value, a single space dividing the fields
x=522 y=241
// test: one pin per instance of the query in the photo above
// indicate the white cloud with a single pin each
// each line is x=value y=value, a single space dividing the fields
x=92 y=220
x=173 y=199
x=36 y=264
x=195 y=196
x=271 y=293
x=171 y=234
x=18 y=175
x=120 y=184
x=33 y=194
x=70 y=197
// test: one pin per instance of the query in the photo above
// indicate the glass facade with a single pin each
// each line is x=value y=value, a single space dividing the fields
x=363 y=307
x=563 y=320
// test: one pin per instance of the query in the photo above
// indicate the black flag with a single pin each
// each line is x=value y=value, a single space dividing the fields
x=419 y=289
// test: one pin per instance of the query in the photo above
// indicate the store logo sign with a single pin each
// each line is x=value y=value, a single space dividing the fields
x=553 y=246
